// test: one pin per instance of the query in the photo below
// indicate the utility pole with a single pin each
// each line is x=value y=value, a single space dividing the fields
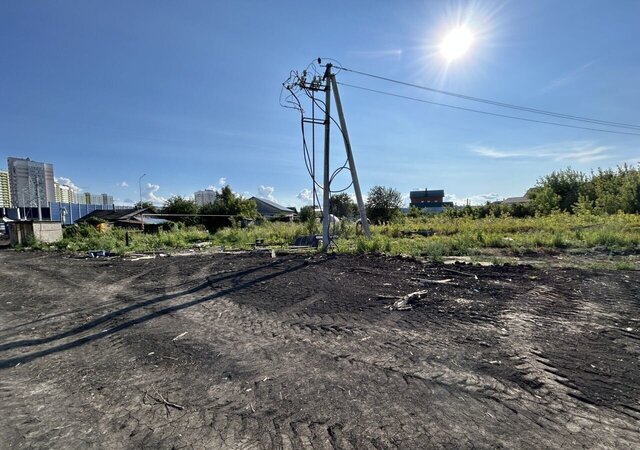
x=326 y=188
x=38 y=200
x=352 y=163
x=327 y=83
x=140 y=188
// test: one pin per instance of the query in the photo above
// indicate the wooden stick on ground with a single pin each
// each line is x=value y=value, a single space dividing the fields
x=162 y=401
x=404 y=303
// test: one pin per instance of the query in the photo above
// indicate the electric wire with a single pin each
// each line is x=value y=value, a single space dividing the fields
x=391 y=94
x=500 y=104
x=297 y=82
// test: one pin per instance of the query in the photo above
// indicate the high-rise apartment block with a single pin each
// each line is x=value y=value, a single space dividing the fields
x=65 y=194
x=205 y=197
x=92 y=199
x=5 y=193
x=30 y=182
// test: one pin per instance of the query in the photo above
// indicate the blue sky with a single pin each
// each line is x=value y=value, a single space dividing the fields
x=187 y=92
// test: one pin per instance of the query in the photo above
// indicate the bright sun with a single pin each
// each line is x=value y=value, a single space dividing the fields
x=456 y=43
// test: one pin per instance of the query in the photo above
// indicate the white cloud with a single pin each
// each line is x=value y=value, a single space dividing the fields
x=572 y=151
x=67 y=182
x=406 y=200
x=478 y=199
x=150 y=195
x=305 y=196
x=266 y=192
x=122 y=184
x=222 y=181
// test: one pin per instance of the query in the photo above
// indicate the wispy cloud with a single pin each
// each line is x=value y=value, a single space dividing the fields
x=376 y=53
x=578 y=151
x=222 y=181
x=122 y=184
x=565 y=79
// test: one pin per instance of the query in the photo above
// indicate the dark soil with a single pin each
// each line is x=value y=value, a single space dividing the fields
x=249 y=351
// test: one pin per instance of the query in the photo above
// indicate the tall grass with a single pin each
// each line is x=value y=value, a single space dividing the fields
x=86 y=237
x=450 y=236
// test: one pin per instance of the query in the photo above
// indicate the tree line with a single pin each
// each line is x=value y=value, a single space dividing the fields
x=604 y=191
x=228 y=206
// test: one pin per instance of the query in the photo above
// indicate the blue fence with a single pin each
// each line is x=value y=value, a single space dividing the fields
x=73 y=212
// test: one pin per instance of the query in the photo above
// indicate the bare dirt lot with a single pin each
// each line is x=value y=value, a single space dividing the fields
x=249 y=351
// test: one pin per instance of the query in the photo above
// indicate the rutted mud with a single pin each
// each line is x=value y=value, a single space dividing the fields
x=248 y=351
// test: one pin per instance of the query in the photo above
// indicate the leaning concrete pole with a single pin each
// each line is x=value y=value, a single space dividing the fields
x=352 y=163
x=326 y=189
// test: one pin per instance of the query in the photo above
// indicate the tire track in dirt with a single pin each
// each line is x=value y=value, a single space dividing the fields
x=253 y=374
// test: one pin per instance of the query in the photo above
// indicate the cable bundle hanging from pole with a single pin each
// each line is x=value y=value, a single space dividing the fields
x=308 y=82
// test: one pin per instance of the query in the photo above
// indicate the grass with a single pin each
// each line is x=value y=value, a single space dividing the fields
x=451 y=236
x=85 y=238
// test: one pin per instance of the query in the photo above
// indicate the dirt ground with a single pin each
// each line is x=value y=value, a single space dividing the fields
x=249 y=351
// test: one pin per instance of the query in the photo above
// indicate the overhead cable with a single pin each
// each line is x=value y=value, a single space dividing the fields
x=391 y=94
x=500 y=104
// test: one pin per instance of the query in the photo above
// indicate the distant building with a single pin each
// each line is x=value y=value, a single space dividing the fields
x=30 y=182
x=65 y=194
x=429 y=200
x=106 y=199
x=205 y=197
x=5 y=192
x=515 y=200
x=272 y=210
x=100 y=199
x=128 y=218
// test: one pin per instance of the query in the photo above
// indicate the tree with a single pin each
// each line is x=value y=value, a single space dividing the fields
x=567 y=184
x=306 y=214
x=181 y=205
x=308 y=217
x=228 y=204
x=383 y=204
x=546 y=200
x=341 y=205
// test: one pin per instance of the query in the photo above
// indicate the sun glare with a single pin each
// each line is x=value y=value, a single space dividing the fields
x=456 y=43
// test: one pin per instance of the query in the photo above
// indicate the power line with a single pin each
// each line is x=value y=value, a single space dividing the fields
x=500 y=104
x=487 y=112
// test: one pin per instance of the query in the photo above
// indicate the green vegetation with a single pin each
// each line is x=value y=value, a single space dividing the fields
x=86 y=237
x=342 y=206
x=605 y=191
x=462 y=236
x=569 y=211
x=428 y=236
x=383 y=204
